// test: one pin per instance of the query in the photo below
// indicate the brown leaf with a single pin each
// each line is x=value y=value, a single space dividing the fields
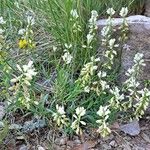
x=81 y=147
x=115 y=125
x=91 y=144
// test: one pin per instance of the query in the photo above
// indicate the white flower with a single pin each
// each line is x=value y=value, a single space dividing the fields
x=28 y=66
x=94 y=14
x=104 y=85
x=93 y=21
x=87 y=89
x=21 y=31
x=116 y=93
x=30 y=20
x=138 y=58
x=60 y=109
x=95 y=59
x=103 y=111
x=112 y=43
x=74 y=13
x=89 y=38
x=101 y=74
x=105 y=31
x=93 y=18
x=60 y=116
x=110 y=11
x=80 y=111
x=28 y=71
x=67 y=57
x=54 y=48
x=68 y=46
x=2 y=20
x=123 y=12
x=14 y=80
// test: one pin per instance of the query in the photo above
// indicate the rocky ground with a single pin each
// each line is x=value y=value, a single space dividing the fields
x=133 y=136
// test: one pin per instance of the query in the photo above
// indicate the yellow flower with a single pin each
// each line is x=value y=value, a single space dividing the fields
x=23 y=43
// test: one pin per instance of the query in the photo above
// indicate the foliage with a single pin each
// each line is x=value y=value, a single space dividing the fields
x=50 y=64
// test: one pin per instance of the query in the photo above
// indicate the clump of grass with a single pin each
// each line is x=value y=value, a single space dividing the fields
x=63 y=78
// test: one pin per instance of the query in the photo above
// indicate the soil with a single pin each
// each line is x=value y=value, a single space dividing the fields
x=47 y=139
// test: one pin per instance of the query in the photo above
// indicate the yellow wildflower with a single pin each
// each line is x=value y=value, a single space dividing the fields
x=23 y=43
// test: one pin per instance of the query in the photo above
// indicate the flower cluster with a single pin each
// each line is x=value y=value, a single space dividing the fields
x=111 y=53
x=110 y=11
x=75 y=21
x=101 y=85
x=26 y=35
x=88 y=71
x=80 y=111
x=92 y=29
x=123 y=12
x=103 y=113
x=124 y=28
x=67 y=57
x=60 y=117
x=132 y=73
x=22 y=82
x=116 y=100
x=27 y=74
x=142 y=103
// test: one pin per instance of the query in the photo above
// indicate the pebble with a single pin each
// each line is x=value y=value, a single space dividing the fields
x=113 y=143
x=41 y=148
x=77 y=142
x=63 y=141
x=23 y=147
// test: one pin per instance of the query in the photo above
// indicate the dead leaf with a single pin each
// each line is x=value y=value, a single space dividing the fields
x=81 y=147
x=132 y=128
x=91 y=144
x=115 y=125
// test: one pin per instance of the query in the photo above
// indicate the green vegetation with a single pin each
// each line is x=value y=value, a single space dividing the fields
x=50 y=65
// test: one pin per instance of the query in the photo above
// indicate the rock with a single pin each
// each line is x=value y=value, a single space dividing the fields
x=70 y=143
x=132 y=128
x=41 y=148
x=139 y=41
x=83 y=146
x=113 y=143
x=63 y=141
x=106 y=146
x=23 y=147
x=76 y=142
x=110 y=137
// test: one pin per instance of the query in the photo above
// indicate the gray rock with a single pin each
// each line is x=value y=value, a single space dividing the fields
x=23 y=147
x=113 y=143
x=132 y=128
x=139 y=41
x=41 y=148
